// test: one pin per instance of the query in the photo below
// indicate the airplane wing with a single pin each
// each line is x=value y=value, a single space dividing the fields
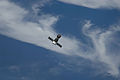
x=50 y=38
x=59 y=45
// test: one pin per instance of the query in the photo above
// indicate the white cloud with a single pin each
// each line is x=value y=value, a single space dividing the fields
x=13 y=24
x=37 y=7
x=101 y=42
x=95 y=3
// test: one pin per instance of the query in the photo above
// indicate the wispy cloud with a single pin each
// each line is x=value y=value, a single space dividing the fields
x=13 y=24
x=101 y=45
x=95 y=3
x=37 y=7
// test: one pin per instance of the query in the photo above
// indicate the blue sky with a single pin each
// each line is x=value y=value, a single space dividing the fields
x=90 y=38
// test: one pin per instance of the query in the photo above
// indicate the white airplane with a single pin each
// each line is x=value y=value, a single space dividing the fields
x=55 y=41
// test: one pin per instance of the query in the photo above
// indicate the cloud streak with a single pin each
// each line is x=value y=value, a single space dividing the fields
x=13 y=24
x=101 y=45
x=95 y=3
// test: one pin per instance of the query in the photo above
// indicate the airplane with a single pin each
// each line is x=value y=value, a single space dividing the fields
x=55 y=41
